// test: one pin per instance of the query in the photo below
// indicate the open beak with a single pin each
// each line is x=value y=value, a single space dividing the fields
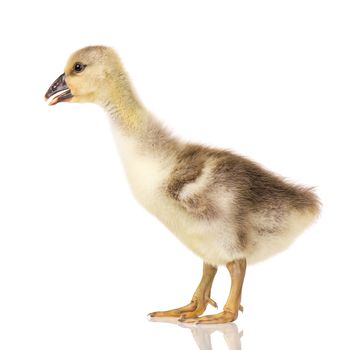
x=58 y=91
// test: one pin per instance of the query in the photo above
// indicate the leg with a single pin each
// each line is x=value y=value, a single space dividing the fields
x=232 y=306
x=200 y=300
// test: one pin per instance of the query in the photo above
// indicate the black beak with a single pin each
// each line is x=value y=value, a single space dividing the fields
x=59 y=91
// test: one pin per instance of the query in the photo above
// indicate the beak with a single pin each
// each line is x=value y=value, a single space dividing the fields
x=58 y=91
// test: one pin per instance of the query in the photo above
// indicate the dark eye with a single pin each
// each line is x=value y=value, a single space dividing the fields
x=78 y=67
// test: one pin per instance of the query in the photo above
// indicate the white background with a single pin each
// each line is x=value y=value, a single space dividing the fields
x=81 y=263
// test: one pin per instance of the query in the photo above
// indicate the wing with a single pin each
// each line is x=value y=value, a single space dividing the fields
x=190 y=184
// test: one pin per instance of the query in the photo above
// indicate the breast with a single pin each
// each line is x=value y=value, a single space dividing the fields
x=145 y=172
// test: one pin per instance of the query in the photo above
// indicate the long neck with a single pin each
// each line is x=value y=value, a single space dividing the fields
x=131 y=119
x=122 y=104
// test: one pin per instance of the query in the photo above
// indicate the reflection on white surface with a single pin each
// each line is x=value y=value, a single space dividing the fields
x=202 y=333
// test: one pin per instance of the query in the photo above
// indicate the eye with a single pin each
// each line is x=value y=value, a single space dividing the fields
x=78 y=67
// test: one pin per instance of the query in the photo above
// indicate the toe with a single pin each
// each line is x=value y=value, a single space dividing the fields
x=188 y=320
x=175 y=312
x=222 y=317
x=193 y=314
x=164 y=314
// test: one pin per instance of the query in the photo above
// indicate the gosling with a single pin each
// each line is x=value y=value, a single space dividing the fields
x=225 y=208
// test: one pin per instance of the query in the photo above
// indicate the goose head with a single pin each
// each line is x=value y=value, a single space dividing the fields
x=89 y=76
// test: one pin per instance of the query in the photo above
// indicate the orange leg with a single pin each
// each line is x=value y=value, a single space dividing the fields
x=200 y=300
x=237 y=271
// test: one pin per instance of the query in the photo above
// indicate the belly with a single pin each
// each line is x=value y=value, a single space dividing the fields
x=213 y=241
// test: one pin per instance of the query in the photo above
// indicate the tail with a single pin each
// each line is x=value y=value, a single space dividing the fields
x=309 y=202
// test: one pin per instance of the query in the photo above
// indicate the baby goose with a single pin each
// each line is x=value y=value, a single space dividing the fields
x=227 y=209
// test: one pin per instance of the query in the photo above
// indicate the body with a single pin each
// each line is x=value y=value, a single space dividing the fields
x=224 y=207
x=220 y=205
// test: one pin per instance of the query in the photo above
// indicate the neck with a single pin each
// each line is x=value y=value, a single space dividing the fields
x=129 y=117
x=123 y=106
